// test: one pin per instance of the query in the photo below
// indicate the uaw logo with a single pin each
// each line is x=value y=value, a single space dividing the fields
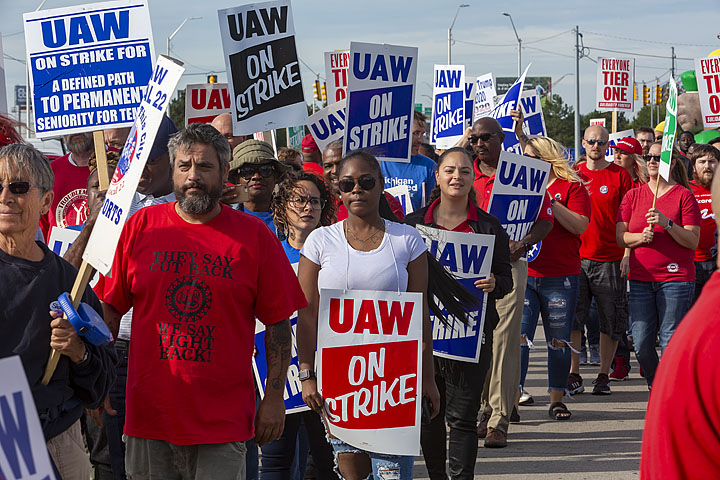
x=534 y=251
x=132 y=146
x=188 y=299
x=72 y=208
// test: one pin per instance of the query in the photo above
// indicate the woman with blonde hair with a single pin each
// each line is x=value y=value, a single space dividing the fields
x=553 y=270
x=628 y=154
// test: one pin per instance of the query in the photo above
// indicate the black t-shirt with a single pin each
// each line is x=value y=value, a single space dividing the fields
x=28 y=289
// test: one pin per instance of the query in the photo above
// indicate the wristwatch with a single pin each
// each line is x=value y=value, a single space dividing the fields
x=552 y=201
x=528 y=247
x=669 y=224
x=306 y=374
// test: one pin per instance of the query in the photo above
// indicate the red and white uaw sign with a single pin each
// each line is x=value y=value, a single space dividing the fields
x=615 y=80
x=336 y=73
x=370 y=368
x=262 y=65
x=707 y=72
x=103 y=241
x=205 y=101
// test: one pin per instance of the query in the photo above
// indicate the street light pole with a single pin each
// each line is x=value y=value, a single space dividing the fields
x=27 y=84
x=462 y=5
x=167 y=51
x=519 y=43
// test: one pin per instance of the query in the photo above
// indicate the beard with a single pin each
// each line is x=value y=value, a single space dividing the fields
x=80 y=144
x=197 y=203
x=704 y=179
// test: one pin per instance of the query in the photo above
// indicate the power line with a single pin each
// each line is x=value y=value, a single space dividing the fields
x=511 y=44
x=548 y=51
x=10 y=57
x=551 y=36
x=651 y=41
x=638 y=54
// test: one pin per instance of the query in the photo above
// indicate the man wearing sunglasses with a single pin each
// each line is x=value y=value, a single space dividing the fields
x=600 y=275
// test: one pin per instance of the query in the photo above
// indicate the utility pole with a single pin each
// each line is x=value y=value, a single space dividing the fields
x=577 y=93
x=672 y=64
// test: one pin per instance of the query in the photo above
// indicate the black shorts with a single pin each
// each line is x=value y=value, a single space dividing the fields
x=603 y=282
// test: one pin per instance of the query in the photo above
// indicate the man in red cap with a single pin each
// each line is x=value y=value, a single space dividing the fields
x=312 y=157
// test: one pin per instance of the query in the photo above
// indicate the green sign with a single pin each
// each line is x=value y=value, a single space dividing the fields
x=428 y=112
x=418 y=107
x=295 y=136
x=669 y=131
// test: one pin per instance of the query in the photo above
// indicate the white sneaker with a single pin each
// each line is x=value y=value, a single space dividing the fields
x=526 y=398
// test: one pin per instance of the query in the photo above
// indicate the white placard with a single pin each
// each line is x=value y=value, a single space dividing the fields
x=336 y=75
x=485 y=93
x=205 y=101
x=328 y=124
x=615 y=81
x=707 y=72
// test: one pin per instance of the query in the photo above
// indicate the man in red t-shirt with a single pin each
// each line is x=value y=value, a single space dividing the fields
x=600 y=276
x=69 y=206
x=704 y=160
x=197 y=274
x=502 y=386
x=682 y=422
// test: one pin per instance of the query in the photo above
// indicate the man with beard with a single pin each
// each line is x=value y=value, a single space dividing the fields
x=187 y=267
x=705 y=160
x=69 y=206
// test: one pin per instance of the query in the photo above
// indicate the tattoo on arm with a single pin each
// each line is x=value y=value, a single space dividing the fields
x=278 y=343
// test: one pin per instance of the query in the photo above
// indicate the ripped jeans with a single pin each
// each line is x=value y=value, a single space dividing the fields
x=555 y=299
x=384 y=467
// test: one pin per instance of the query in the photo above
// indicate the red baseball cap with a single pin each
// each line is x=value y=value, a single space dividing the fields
x=629 y=145
x=308 y=144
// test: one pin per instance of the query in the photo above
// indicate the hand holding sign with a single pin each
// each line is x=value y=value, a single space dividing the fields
x=64 y=339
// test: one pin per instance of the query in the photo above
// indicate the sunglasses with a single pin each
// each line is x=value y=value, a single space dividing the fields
x=485 y=137
x=248 y=171
x=654 y=158
x=300 y=202
x=592 y=141
x=18 y=188
x=366 y=182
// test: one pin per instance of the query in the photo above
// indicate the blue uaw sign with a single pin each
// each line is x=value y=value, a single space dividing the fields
x=469 y=101
x=468 y=257
x=448 y=120
x=89 y=65
x=501 y=113
x=328 y=124
x=380 y=101
x=534 y=123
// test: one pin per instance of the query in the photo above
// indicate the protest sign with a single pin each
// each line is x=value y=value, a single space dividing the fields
x=501 y=113
x=534 y=122
x=402 y=194
x=469 y=102
x=23 y=453
x=336 y=73
x=707 y=72
x=668 y=138
x=381 y=92
x=328 y=124
x=205 y=101
x=89 y=65
x=101 y=246
x=468 y=257
x=484 y=96
x=597 y=121
x=518 y=193
x=615 y=81
x=370 y=368
x=262 y=64
x=448 y=120
x=295 y=136
x=61 y=238
x=613 y=139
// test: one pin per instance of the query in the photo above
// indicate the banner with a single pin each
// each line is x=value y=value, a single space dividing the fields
x=615 y=81
x=328 y=124
x=100 y=249
x=469 y=102
x=534 y=122
x=613 y=139
x=262 y=64
x=669 y=131
x=23 y=453
x=370 y=368
x=484 y=96
x=381 y=92
x=205 y=101
x=448 y=120
x=707 y=72
x=336 y=73
x=501 y=113
x=89 y=65
x=468 y=257
x=518 y=192
x=402 y=195
x=295 y=136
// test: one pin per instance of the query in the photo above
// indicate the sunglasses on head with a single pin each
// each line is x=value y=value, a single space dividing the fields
x=366 y=182
x=18 y=188
x=485 y=137
x=592 y=141
x=248 y=171
x=654 y=158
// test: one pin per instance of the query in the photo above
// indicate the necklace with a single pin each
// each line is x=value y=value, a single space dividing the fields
x=358 y=239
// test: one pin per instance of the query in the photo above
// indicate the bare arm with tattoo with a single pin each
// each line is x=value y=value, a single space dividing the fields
x=271 y=414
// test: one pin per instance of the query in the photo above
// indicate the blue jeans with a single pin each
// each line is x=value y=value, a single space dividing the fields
x=115 y=424
x=555 y=298
x=656 y=307
x=395 y=467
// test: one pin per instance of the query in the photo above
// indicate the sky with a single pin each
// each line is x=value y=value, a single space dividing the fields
x=484 y=38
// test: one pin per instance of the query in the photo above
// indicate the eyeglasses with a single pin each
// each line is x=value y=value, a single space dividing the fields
x=248 y=171
x=366 y=182
x=300 y=202
x=485 y=137
x=18 y=188
x=653 y=158
x=592 y=141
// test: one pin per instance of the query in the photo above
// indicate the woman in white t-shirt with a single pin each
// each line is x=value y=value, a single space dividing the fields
x=363 y=252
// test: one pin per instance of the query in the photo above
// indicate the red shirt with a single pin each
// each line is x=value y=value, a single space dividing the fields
x=707 y=225
x=663 y=259
x=395 y=206
x=606 y=188
x=196 y=291
x=464 y=227
x=682 y=422
x=313 y=167
x=560 y=251
x=69 y=206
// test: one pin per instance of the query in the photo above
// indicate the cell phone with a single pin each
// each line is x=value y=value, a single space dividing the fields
x=427 y=408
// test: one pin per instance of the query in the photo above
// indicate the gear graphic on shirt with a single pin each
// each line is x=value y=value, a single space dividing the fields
x=188 y=299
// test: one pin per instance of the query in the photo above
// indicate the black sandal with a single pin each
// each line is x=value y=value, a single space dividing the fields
x=559 y=411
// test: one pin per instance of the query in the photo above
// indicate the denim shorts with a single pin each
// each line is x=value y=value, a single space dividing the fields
x=384 y=467
x=603 y=282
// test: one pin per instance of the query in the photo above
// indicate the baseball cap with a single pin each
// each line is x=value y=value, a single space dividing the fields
x=629 y=145
x=255 y=151
x=165 y=131
x=308 y=144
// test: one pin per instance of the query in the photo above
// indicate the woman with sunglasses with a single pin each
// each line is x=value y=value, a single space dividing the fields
x=453 y=207
x=553 y=285
x=662 y=238
x=627 y=153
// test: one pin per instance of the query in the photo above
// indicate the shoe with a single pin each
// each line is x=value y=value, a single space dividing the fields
x=526 y=398
x=642 y=374
x=495 y=438
x=482 y=427
x=575 y=384
x=594 y=354
x=514 y=416
x=602 y=385
x=621 y=371
x=583 y=356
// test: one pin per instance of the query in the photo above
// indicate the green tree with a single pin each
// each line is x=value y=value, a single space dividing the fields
x=559 y=120
x=176 y=109
x=642 y=118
